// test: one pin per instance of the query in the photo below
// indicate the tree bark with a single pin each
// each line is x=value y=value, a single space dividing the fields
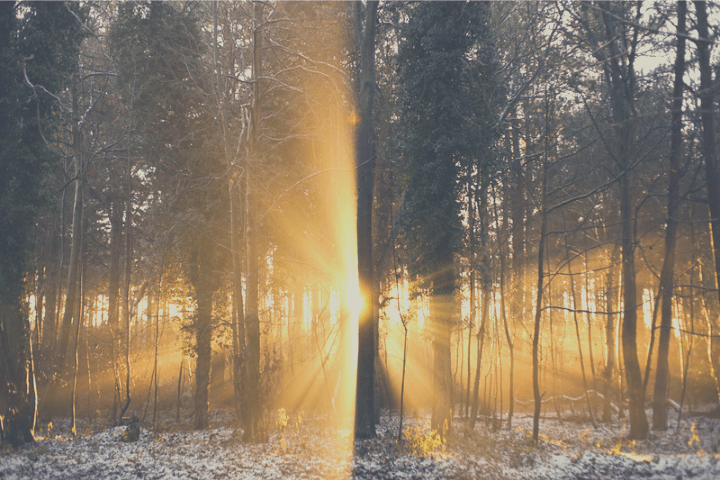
x=707 y=100
x=73 y=266
x=78 y=324
x=707 y=106
x=471 y=260
x=442 y=307
x=609 y=337
x=252 y=319
x=537 y=396
x=365 y=164
x=116 y=239
x=620 y=77
x=125 y=301
x=668 y=270
x=517 y=278
x=485 y=284
x=51 y=287
x=638 y=419
x=17 y=399
x=480 y=348
x=202 y=283
x=576 y=307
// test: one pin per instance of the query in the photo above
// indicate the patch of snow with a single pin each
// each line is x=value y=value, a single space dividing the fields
x=313 y=449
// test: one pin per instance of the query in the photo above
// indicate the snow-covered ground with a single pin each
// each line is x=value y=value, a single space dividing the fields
x=313 y=448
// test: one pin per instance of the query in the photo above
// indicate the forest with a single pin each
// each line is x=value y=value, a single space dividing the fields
x=437 y=225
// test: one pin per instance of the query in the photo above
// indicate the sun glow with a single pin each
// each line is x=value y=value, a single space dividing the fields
x=323 y=234
x=353 y=299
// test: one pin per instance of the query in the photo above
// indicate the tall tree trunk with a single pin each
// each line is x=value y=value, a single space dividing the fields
x=252 y=319
x=589 y=317
x=480 y=348
x=709 y=320
x=365 y=164
x=116 y=238
x=238 y=318
x=125 y=301
x=39 y=276
x=238 y=315
x=609 y=337
x=485 y=284
x=668 y=270
x=202 y=283
x=68 y=315
x=156 y=345
x=638 y=419
x=707 y=105
x=517 y=278
x=707 y=112
x=471 y=255
x=508 y=337
x=76 y=364
x=17 y=398
x=575 y=304
x=537 y=396
x=442 y=308
x=620 y=78
x=52 y=285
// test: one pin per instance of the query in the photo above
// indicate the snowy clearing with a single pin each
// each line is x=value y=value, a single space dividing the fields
x=310 y=447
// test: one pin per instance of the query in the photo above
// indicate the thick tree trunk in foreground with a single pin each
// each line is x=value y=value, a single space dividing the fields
x=18 y=405
x=365 y=160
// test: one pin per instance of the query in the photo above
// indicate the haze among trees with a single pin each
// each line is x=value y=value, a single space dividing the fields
x=477 y=209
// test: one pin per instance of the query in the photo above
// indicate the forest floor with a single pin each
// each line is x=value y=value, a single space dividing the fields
x=310 y=447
